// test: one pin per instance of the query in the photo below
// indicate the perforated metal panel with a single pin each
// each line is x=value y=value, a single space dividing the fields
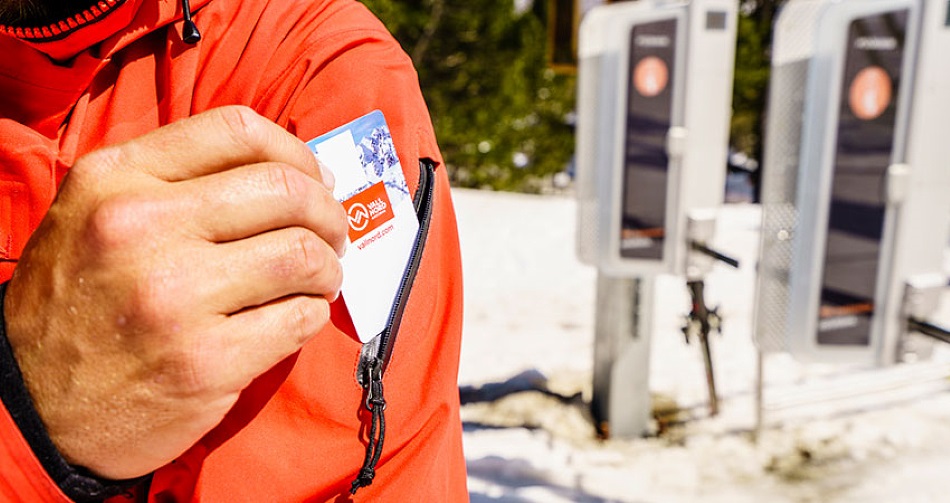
x=772 y=295
x=792 y=50
x=838 y=106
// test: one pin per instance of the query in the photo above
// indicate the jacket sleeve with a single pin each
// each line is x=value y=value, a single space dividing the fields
x=32 y=468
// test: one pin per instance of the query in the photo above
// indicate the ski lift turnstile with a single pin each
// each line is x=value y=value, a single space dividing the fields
x=854 y=191
x=654 y=94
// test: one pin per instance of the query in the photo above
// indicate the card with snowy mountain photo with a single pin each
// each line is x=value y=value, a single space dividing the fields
x=382 y=221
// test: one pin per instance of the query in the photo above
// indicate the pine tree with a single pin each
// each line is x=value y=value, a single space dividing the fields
x=501 y=115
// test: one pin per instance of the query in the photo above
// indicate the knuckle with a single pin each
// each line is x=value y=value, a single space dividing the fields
x=186 y=374
x=286 y=182
x=243 y=124
x=311 y=260
x=309 y=254
x=154 y=300
x=191 y=364
x=114 y=223
x=94 y=166
x=306 y=318
x=178 y=370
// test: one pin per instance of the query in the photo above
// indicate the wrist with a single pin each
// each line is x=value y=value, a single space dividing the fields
x=75 y=482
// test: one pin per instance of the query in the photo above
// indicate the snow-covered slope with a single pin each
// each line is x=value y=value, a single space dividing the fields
x=832 y=433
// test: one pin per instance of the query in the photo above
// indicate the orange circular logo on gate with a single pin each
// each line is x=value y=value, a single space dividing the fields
x=870 y=93
x=650 y=76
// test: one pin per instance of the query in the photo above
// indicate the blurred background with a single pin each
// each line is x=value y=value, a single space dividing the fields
x=500 y=80
x=499 y=77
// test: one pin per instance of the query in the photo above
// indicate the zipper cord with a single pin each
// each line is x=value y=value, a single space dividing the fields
x=189 y=31
x=375 y=354
x=376 y=404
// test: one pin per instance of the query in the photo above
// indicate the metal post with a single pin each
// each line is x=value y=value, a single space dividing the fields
x=621 y=402
x=759 y=395
x=700 y=323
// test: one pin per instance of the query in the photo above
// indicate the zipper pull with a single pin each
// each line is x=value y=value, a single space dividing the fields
x=376 y=404
x=189 y=30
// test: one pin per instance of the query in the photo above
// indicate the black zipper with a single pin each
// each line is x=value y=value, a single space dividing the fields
x=375 y=354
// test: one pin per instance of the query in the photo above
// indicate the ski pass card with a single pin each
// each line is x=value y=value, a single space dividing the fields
x=383 y=224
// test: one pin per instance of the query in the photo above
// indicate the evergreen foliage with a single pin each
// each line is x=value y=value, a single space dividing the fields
x=501 y=115
x=750 y=88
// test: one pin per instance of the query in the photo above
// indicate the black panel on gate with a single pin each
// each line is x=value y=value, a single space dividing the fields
x=865 y=139
x=649 y=117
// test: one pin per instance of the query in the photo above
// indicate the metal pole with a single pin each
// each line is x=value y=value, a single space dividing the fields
x=700 y=323
x=929 y=329
x=621 y=403
x=759 y=395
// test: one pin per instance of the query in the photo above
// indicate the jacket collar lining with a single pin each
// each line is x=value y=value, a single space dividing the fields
x=63 y=28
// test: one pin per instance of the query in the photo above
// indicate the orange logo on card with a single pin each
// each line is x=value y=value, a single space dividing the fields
x=368 y=210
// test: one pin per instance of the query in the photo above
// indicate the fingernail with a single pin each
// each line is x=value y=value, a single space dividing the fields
x=328 y=179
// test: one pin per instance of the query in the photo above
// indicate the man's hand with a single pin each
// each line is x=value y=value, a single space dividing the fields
x=170 y=272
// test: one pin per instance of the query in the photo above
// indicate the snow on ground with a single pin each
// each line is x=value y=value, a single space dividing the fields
x=832 y=433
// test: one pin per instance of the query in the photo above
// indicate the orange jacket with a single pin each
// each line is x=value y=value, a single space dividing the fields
x=299 y=432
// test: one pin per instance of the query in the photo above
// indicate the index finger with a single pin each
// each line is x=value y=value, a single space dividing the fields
x=215 y=141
